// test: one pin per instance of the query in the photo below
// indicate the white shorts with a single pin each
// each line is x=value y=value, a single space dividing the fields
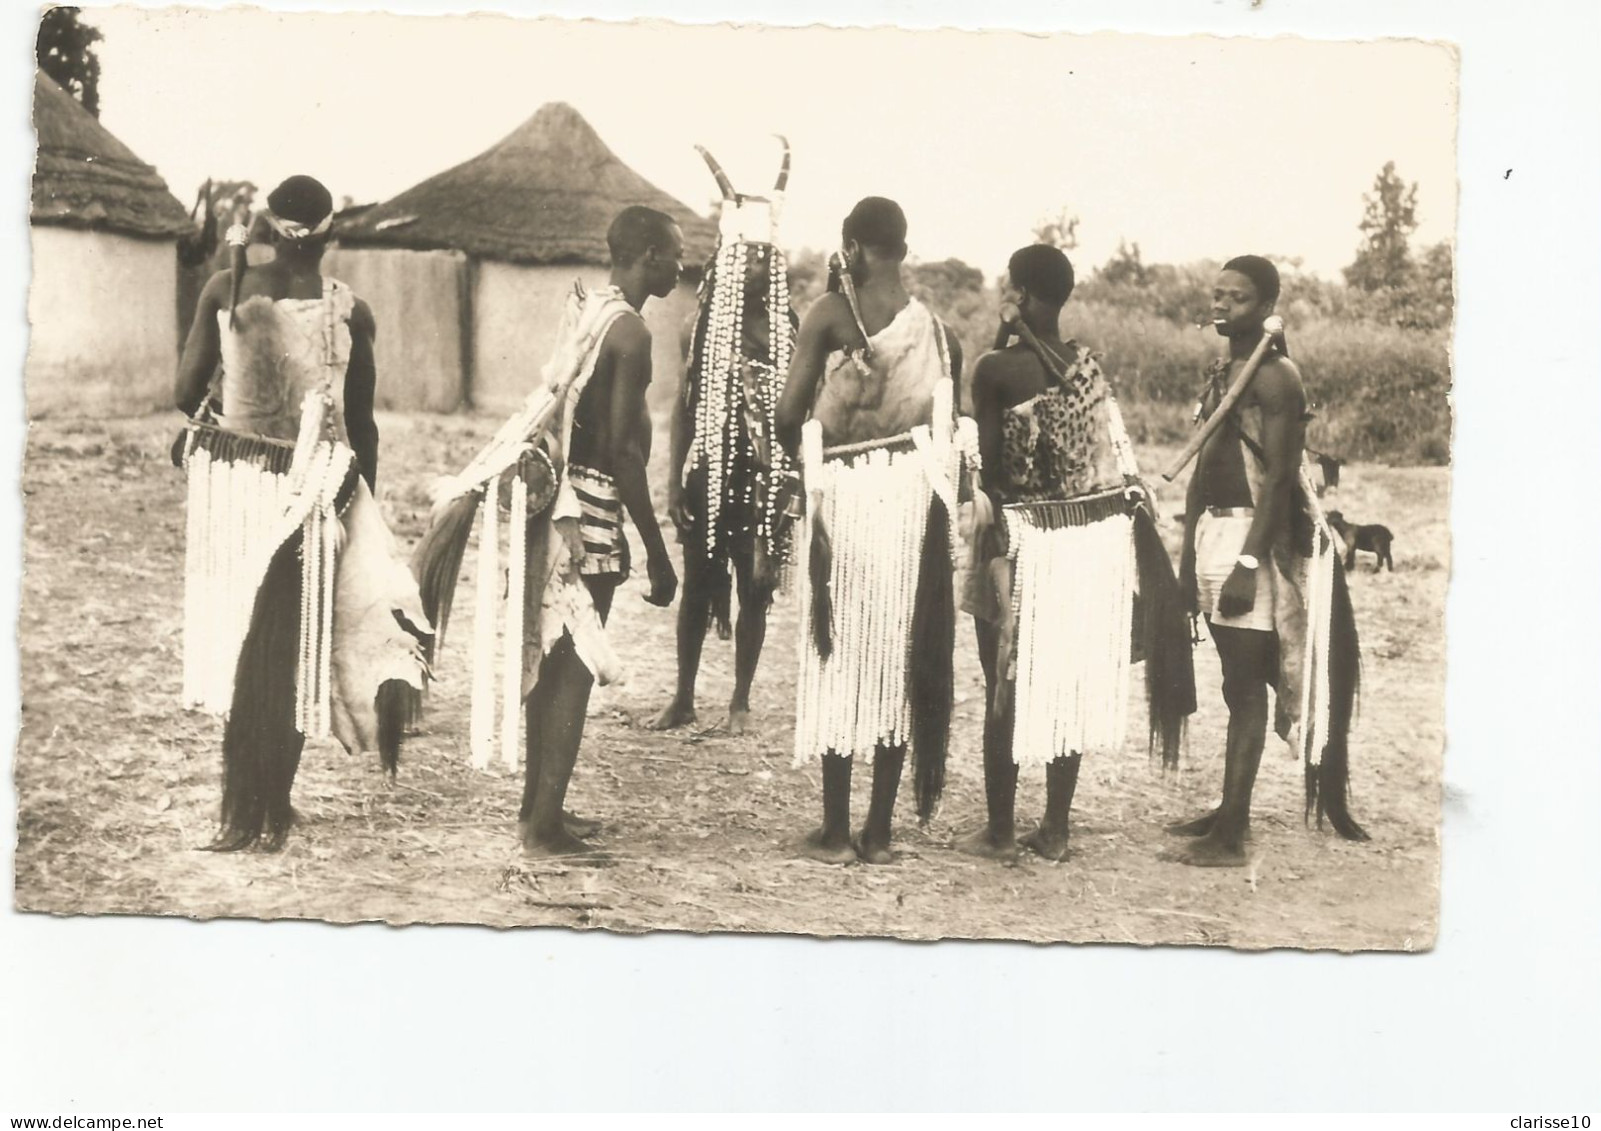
x=1219 y=540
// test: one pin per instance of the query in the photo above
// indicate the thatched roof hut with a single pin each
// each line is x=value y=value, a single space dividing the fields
x=467 y=272
x=103 y=300
x=86 y=178
x=545 y=194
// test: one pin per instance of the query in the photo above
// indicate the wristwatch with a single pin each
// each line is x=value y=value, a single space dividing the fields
x=1246 y=561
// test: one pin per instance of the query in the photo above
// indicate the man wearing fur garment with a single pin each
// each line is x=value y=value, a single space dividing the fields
x=869 y=403
x=300 y=618
x=1070 y=582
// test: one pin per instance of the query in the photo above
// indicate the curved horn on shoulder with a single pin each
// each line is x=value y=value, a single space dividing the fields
x=783 y=170
x=723 y=183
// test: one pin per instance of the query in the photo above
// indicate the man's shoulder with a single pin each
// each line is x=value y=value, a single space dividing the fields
x=628 y=332
x=995 y=365
x=1277 y=380
x=1015 y=358
x=1279 y=363
x=829 y=306
x=218 y=286
x=1000 y=373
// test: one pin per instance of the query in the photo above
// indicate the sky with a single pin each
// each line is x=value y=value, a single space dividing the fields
x=1198 y=147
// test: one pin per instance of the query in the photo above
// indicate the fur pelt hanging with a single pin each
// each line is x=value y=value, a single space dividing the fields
x=930 y=667
x=819 y=566
x=436 y=562
x=1328 y=781
x=1162 y=640
x=261 y=744
x=720 y=607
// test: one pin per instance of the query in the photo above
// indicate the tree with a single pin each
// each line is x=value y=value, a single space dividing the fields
x=808 y=275
x=1437 y=267
x=229 y=198
x=65 y=50
x=198 y=246
x=946 y=283
x=1436 y=286
x=1125 y=269
x=1059 y=231
x=218 y=205
x=1388 y=220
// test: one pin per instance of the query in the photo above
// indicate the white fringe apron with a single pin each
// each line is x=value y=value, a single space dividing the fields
x=874 y=506
x=1073 y=607
x=238 y=492
x=274 y=466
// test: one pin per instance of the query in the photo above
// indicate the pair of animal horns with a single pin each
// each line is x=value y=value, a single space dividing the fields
x=727 y=186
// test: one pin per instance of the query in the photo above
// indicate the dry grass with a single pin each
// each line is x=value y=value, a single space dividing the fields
x=118 y=788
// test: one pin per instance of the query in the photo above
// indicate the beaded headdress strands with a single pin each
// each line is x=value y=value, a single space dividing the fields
x=747 y=229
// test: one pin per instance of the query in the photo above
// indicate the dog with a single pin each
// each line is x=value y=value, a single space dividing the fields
x=1372 y=539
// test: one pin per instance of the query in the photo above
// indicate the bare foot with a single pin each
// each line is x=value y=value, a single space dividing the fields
x=738 y=719
x=579 y=826
x=828 y=849
x=560 y=843
x=675 y=714
x=871 y=851
x=1047 y=843
x=985 y=843
x=1212 y=851
x=1198 y=827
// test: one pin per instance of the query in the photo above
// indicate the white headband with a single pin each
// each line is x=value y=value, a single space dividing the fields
x=293 y=230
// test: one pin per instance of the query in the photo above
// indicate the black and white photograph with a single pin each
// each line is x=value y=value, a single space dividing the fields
x=722 y=556
x=637 y=494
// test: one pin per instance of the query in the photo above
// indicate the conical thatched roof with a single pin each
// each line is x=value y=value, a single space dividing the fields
x=86 y=178
x=545 y=194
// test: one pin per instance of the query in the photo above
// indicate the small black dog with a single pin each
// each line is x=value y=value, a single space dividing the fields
x=1372 y=539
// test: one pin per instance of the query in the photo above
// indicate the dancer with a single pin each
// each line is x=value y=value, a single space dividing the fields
x=575 y=458
x=729 y=480
x=873 y=372
x=1261 y=565
x=300 y=620
x=1069 y=540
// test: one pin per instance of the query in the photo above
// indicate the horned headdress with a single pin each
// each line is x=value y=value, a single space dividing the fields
x=734 y=396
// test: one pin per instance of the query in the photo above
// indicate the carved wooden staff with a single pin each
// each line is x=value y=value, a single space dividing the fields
x=1272 y=327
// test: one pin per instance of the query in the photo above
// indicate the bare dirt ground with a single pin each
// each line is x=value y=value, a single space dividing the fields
x=118 y=787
